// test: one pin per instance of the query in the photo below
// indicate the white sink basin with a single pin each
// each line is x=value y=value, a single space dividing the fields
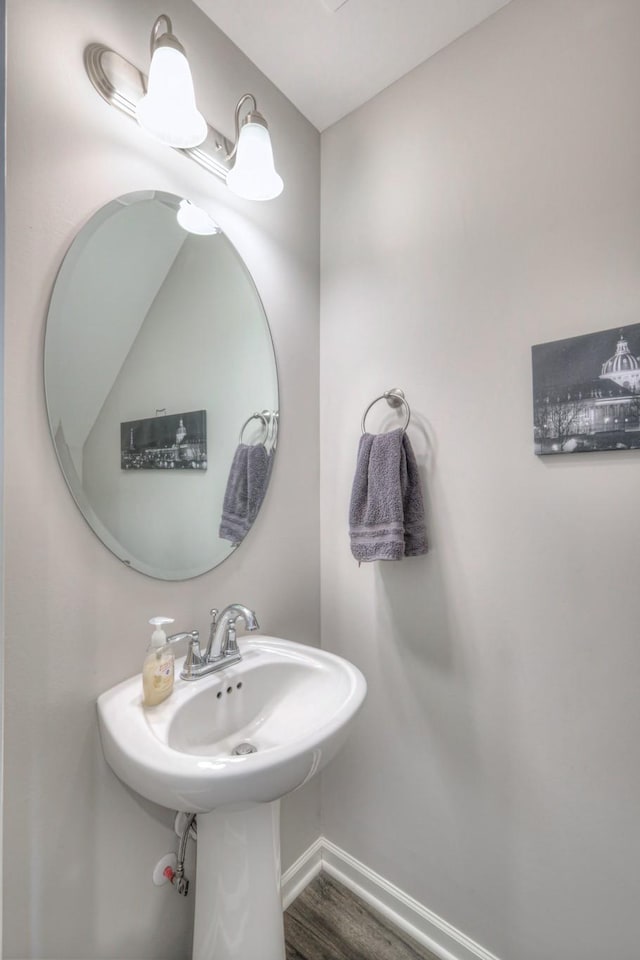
x=291 y=702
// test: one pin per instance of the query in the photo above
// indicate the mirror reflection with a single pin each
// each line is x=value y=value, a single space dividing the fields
x=161 y=387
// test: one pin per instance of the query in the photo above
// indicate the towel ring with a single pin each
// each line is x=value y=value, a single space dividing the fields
x=256 y=416
x=395 y=398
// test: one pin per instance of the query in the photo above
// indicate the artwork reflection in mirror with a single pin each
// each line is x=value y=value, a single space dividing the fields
x=157 y=356
x=175 y=442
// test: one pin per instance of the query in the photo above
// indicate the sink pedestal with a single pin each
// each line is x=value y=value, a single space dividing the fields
x=238 y=912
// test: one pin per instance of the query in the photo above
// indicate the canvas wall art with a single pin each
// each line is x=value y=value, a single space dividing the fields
x=586 y=392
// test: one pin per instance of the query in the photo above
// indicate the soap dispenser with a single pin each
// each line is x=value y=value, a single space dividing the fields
x=158 y=666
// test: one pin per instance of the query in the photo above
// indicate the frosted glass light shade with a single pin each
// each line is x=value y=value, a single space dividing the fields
x=253 y=176
x=168 y=110
x=194 y=219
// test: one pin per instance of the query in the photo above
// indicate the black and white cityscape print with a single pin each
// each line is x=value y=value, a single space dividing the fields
x=172 y=442
x=586 y=392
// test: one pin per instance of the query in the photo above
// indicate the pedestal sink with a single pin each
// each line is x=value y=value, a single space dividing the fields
x=291 y=706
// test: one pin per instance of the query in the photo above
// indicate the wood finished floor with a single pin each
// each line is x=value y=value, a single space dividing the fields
x=327 y=922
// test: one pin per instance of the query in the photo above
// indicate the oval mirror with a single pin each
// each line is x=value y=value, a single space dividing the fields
x=161 y=386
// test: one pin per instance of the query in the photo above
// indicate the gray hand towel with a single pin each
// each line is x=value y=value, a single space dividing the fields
x=246 y=487
x=386 y=514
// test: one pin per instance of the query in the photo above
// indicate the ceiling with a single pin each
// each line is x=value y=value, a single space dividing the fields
x=330 y=56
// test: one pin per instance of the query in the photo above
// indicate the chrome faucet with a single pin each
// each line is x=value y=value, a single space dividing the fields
x=222 y=647
x=222 y=637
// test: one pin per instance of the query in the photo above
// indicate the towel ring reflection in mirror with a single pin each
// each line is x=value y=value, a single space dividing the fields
x=269 y=421
x=395 y=398
x=256 y=416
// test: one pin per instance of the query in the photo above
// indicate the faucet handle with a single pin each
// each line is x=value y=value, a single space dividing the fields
x=213 y=613
x=194 y=657
x=193 y=637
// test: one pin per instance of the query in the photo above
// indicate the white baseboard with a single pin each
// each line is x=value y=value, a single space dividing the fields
x=399 y=908
x=301 y=873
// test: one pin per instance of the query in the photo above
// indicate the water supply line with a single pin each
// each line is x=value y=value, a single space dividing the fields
x=177 y=876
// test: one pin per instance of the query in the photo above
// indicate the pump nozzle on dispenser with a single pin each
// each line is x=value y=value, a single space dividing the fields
x=159 y=637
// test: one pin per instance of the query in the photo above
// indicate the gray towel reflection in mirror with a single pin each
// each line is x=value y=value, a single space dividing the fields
x=246 y=487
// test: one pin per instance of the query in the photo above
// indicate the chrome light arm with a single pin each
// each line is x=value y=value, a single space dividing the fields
x=253 y=116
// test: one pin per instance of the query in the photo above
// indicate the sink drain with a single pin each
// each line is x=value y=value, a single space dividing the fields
x=243 y=749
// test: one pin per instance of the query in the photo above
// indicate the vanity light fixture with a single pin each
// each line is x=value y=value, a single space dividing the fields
x=168 y=109
x=194 y=219
x=165 y=106
x=253 y=175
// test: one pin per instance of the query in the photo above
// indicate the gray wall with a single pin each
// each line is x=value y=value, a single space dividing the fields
x=488 y=201
x=79 y=847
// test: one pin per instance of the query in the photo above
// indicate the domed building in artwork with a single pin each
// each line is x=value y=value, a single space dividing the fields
x=623 y=368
